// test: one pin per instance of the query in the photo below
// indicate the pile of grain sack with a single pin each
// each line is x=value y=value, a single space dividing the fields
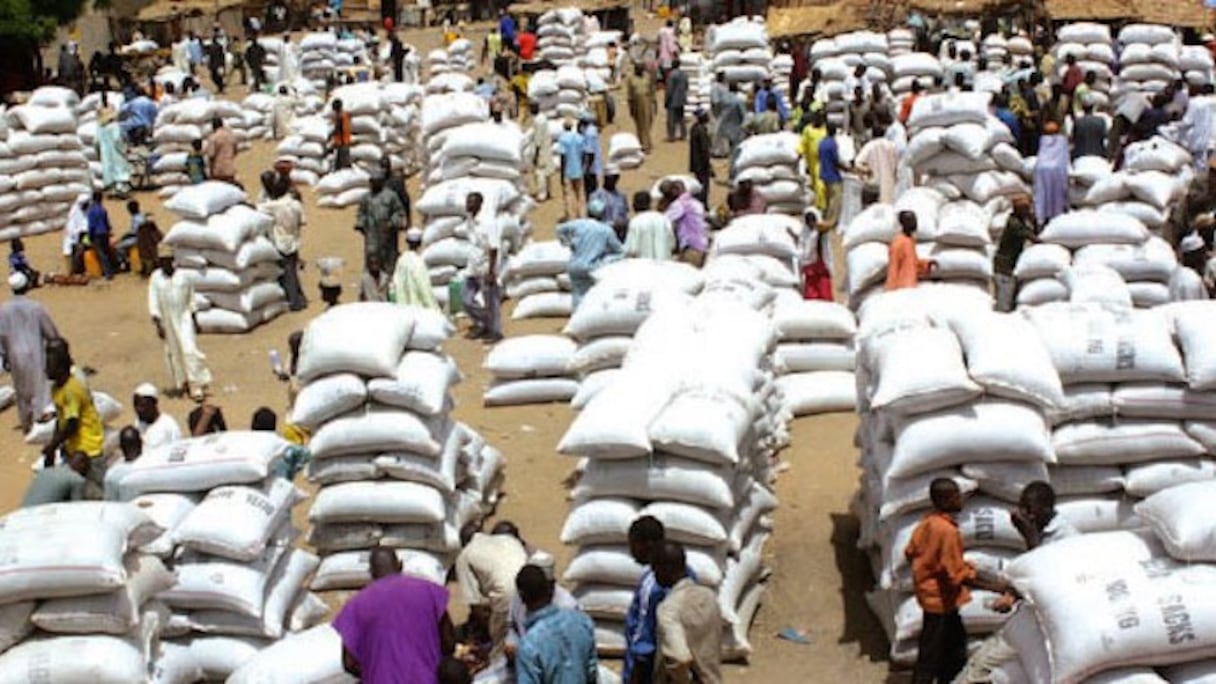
x=562 y=36
x=467 y=153
x=220 y=243
x=179 y=124
x=1108 y=403
x=838 y=58
x=559 y=93
x=1148 y=59
x=1151 y=182
x=43 y=164
x=740 y=50
x=393 y=468
x=777 y=171
x=323 y=54
x=237 y=584
x=1096 y=255
x=1092 y=46
x=77 y=603
x=646 y=450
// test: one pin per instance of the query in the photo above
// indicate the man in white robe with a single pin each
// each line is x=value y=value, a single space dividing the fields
x=171 y=305
x=25 y=328
x=411 y=281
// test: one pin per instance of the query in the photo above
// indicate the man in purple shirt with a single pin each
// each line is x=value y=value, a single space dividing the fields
x=396 y=630
x=687 y=215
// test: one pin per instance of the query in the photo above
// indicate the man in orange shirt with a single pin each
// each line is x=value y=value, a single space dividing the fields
x=904 y=268
x=340 y=137
x=941 y=578
x=905 y=110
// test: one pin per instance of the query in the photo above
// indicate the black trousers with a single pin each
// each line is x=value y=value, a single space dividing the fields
x=941 y=650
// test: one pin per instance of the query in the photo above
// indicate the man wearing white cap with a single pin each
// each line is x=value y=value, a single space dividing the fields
x=25 y=328
x=154 y=427
x=171 y=305
x=518 y=616
x=411 y=281
x=1186 y=282
x=616 y=207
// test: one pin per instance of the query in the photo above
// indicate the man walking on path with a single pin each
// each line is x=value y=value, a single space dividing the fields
x=675 y=99
x=689 y=619
x=220 y=150
x=379 y=219
x=699 y=152
x=639 y=90
x=25 y=328
x=171 y=305
x=288 y=215
x=482 y=292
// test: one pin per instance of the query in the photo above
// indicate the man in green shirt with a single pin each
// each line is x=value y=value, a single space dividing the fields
x=1019 y=229
x=59 y=484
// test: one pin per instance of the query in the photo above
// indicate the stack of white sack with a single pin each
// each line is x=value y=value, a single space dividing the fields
x=226 y=521
x=177 y=127
x=318 y=57
x=448 y=246
x=777 y=171
x=1195 y=61
x=276 y=56
x=1138 y=411
x=1096 y=256
x=701 y=79
x=740 y=50
x=43 y=167
x=536 y=278
x=77 y=600
x=86 y=129
x=955 y=235
x=946 y=388
x=478 y=150
x=625 y=151
x=109 y=411
x=1154 y=178
x=437 y=63
x=625 y=294
x=1064 y=629
x=313 y=656
x=450 y=82
x=221 y=246
x=837 y=60
x=1092 y=46
x=460 y=56
x=963 y=150
x=380 y=120
x=815 y=356
x=562 y=36
x=305 y=147
x=780 y=69
x=1148 y=60
x=900 y=41
x=914 y=67
x=596 y=63
x=258 y=112
x=343 y=188
x=685 y=432
x=394 y=468
x=533 y=369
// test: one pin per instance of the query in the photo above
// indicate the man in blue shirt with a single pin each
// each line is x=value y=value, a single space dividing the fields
x=136 y=118
x=829 y=173
x=646 y=537
x=593 y=164
x=760 y=102
x=570 y=146
x=592 y=243
x=559 y=646
x=506 y=28
x=99 y=234
x=616 y=207
x=1000 y=105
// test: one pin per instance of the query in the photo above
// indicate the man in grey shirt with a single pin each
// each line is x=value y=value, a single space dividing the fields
x=59 y=484
x=1088 y=133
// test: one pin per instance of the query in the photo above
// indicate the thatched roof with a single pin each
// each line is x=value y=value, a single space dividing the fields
x=968 y=7
x=827 y=20
x=1089 y=10
x=1183 y=13
x=163 y=10
x=542 y=6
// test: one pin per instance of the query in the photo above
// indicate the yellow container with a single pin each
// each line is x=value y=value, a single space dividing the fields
x=133 y=259
x=92 y=267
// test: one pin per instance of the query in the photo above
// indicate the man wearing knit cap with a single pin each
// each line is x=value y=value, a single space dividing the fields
x=25 y=328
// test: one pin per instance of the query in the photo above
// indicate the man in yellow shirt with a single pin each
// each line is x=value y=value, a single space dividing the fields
x=77 y=425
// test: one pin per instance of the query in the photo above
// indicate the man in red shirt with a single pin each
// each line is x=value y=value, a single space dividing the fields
x=1073 y=77
x=525 y=45
x=941 y=578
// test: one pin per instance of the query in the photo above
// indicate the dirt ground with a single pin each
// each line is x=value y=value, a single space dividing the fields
x=818 y=577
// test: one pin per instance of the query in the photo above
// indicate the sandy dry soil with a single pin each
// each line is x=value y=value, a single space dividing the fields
x=818 y=577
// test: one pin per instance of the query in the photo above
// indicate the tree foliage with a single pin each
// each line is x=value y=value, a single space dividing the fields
x=19 y=20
